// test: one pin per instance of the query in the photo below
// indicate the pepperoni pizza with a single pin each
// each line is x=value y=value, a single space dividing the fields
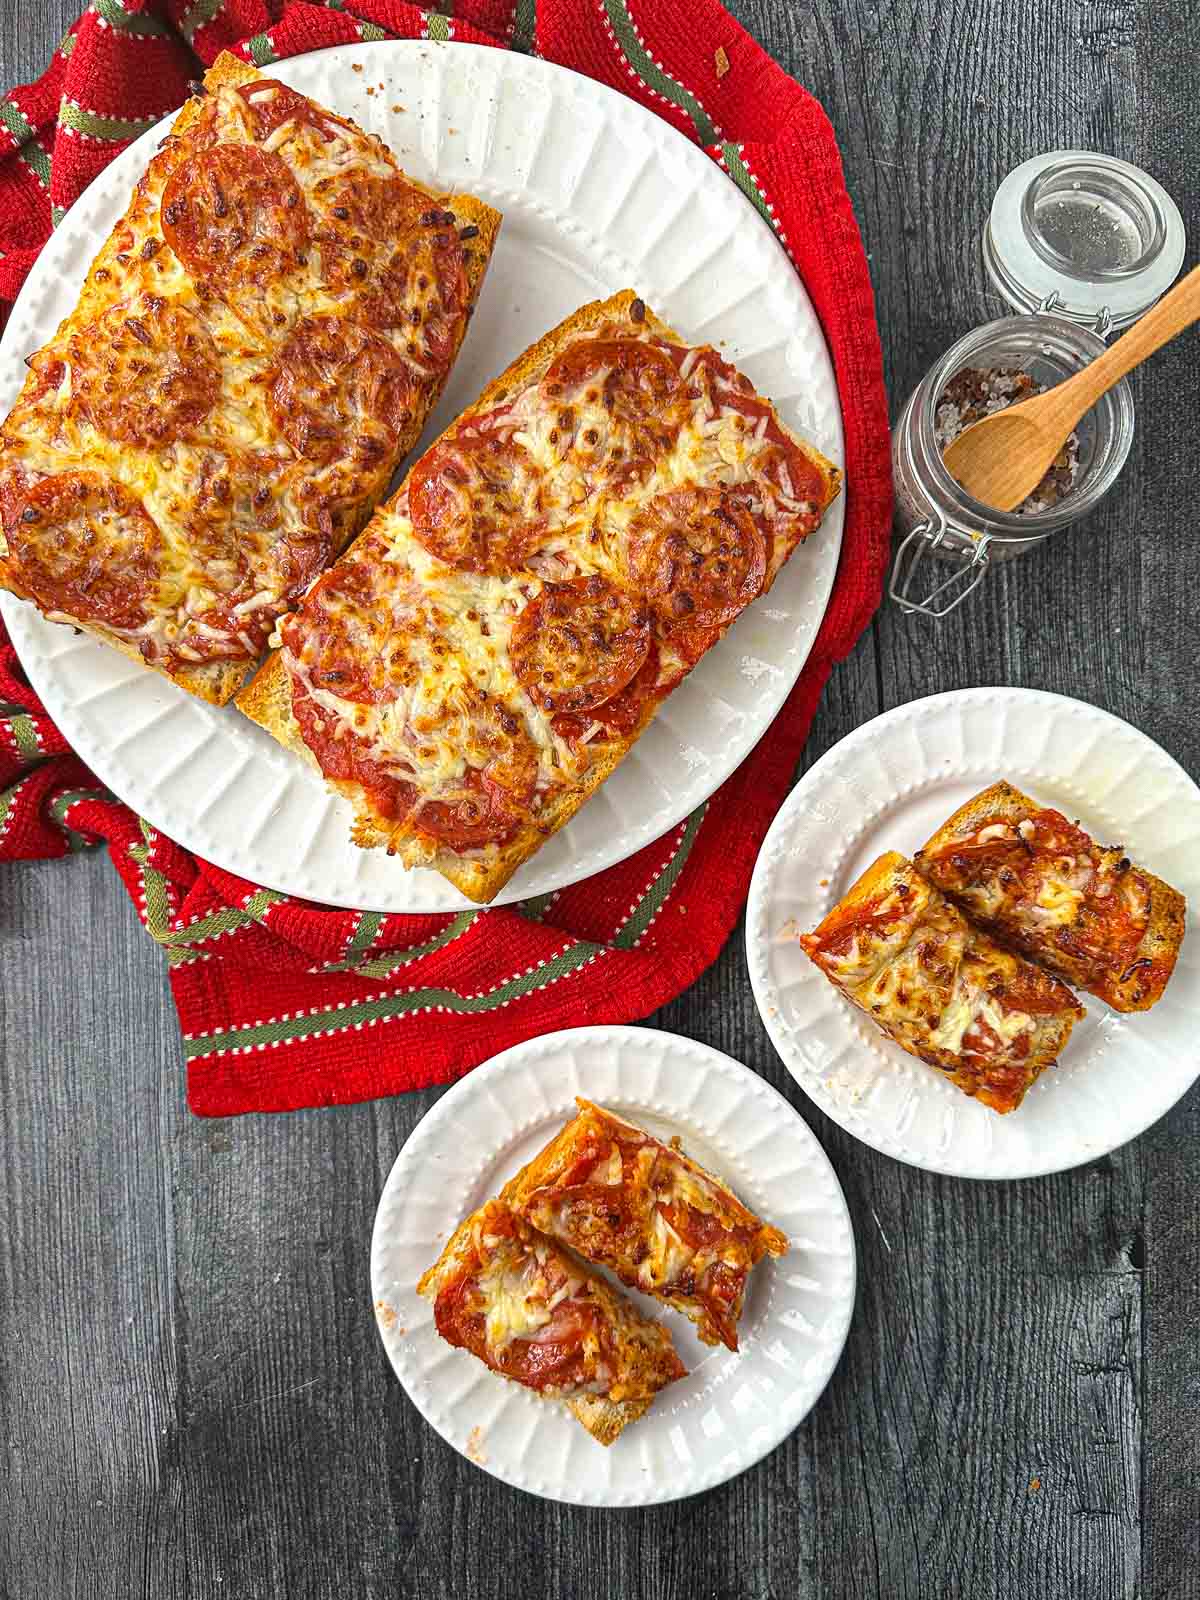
x=257 y=344
x=492 y=645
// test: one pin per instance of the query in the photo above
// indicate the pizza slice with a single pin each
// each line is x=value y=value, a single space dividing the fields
x=535 y=1315
x=1043 y=885
x=943 y=991
x=492 y=646
x=664 y=1225
x=256 y=346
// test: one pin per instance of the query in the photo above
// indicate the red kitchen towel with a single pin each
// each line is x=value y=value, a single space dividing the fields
x=284 y=1003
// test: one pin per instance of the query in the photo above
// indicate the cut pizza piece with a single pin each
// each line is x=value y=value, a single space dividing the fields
x=626 y=1201
x=534 y=1314
x=256 y=345
x=508 y=625
x=901 y=952
x=1039 y=882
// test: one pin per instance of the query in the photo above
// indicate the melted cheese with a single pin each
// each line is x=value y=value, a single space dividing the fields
x=1058 y=900
x=668 y=1258
x=970 y=1005
x=517 y=1297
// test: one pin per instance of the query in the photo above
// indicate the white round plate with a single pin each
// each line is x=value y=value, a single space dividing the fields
x=731 y=1409
x=888 y=786
x=597 y=194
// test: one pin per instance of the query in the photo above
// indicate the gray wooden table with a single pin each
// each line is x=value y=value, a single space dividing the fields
x=193 y=1398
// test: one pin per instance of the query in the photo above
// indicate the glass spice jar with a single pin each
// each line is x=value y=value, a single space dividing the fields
x=1079 y=244
x=937 y=517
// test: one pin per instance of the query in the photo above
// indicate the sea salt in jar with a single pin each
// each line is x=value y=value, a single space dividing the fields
x=937 y=517
x=1080 y=244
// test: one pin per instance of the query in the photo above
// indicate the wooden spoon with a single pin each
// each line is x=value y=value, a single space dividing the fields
x=1002 y=458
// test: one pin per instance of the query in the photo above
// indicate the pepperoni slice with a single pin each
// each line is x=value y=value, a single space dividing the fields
x=234 y=216
x=339 y=390
x=272 y=104
x=480 y=815
x=631 y=376
x=557 y=1354
x=623 y=712
x=351 y=635
x=613 y=408
x=701 y=558
x=782 y=463
x=145 y=373
x=469 y=498
x=578 y=643
x=396 y=258
x=364 y=211
x=82 y=544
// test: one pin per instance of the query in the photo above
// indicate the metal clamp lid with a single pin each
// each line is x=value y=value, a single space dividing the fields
x=1101 y=322
x=908 y=560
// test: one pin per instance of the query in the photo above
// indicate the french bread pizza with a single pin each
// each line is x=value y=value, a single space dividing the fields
x=1043 y=885
x=537 y=1316
x=945 y=992
x=495 y=641
x=624 y=1200
x=257 y=344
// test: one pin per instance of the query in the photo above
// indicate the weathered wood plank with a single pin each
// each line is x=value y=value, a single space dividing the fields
x=243 y=1435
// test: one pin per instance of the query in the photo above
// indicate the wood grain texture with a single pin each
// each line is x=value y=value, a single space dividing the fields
x=193 y=1400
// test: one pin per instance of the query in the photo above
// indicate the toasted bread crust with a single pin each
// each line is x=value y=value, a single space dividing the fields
x=1124 y=990
x=480 y=877
x=218 y=681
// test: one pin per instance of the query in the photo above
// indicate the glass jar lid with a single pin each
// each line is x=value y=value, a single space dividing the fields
x=1089 y=237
